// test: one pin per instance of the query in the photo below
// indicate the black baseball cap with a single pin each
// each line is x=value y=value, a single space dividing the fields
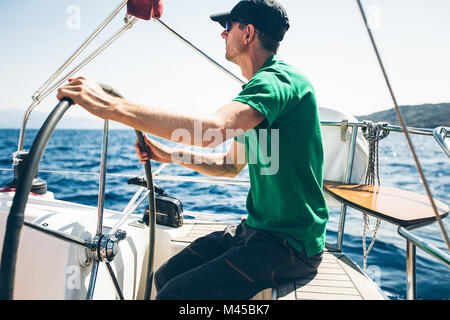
x=267 y=16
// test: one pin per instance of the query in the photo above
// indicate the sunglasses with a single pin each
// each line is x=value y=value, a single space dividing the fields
x=229 y=24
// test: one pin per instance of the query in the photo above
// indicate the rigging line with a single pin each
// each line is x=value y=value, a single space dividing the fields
x=79 y=173
x=79 y=50
x=156 y=177
x=38 y=99
x=204 y=55
x=403 y=124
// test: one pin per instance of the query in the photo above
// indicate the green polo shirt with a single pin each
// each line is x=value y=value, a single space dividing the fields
x=285 y=157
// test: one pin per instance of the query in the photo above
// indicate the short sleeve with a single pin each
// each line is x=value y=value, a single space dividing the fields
x=240 y=138
x=263 y=94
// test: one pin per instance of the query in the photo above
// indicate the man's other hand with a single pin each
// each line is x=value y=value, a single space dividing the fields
x=155 y=151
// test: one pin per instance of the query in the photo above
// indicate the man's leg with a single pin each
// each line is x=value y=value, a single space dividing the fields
x=197 y=253
x=241 y=272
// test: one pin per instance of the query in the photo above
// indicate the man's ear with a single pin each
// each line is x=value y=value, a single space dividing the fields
x=250 y=34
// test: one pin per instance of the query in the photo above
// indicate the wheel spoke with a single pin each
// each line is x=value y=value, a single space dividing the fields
x=94 y=271
x=129 y=213
x=133 y=200
x=62 y=236
x=102 y=182
x=115 y=282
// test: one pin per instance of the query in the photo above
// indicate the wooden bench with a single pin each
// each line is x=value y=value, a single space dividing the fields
x=400 y=207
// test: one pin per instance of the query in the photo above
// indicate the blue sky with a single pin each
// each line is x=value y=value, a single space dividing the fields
x=327 y=41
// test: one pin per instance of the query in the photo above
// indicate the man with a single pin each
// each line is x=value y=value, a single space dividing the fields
x=284 y=234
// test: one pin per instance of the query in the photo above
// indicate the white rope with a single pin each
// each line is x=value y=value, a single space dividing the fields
x=367 y=227
x=80 y=173
x=374 y=133
x=156 y=176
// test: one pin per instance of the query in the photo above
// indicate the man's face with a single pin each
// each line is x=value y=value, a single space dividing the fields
x=234 y=44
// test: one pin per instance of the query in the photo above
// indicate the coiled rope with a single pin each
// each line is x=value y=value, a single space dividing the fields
x=373 y=133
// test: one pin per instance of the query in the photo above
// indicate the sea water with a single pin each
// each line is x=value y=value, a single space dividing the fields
x=77 y=153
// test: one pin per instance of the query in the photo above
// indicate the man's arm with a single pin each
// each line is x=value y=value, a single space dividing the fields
x=212 y=164
x=218 y=165
x=205 y=131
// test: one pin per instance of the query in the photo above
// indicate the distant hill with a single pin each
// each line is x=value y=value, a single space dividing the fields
x=421 y=116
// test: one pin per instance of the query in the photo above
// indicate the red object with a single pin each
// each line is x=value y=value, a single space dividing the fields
x=145 y=9
x=14 y=190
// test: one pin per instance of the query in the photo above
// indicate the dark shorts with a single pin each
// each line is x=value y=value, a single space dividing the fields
x=236 y=264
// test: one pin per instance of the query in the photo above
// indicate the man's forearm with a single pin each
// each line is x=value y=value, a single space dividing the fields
x=164 y=123
x=212 y=164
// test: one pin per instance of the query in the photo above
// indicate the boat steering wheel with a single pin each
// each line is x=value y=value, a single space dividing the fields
x=104 y=246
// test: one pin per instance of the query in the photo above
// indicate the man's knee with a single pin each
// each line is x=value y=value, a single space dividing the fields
x=169 y=292
x=160 y=279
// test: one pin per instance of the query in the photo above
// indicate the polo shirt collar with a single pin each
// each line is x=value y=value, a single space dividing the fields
x=270 y=61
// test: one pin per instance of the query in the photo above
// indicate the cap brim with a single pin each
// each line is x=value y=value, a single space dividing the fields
x=221 y=18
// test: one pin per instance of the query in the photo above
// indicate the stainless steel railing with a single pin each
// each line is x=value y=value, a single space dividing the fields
x=419 y=131
x=39 y=95
x=412 y=241
x=440 y=134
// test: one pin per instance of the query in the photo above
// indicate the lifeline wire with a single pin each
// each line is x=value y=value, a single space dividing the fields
x=403 y=124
